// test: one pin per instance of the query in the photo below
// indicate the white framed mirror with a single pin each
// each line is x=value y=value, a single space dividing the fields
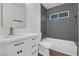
x=13 y=15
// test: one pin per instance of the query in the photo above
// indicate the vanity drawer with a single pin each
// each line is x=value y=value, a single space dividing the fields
x=34 y=41
x=17 y=44
x=20 y=52
x=34 y=47
x=35 y=52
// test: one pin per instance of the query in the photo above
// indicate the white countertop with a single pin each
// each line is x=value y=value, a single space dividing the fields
x=5 y=39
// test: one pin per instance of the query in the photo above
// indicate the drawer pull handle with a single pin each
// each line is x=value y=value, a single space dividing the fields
x=34 y=39
x=33 y=45
x=18 y=44
x=34 y=52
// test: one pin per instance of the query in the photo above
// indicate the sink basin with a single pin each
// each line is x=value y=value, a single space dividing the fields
x=6 y=39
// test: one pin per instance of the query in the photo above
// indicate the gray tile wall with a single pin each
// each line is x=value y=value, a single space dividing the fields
x=66 y=28
x=43 y=21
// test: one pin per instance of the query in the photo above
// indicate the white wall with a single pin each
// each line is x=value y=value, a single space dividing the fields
x=33 y=20
x=33 y=17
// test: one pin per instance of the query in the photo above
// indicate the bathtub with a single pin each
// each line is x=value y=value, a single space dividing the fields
x=65 y=46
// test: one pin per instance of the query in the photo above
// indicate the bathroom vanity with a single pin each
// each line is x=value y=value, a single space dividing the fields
x=20 y=45
x=13 y=16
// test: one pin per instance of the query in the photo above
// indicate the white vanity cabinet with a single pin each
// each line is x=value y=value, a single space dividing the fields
x=23 y=47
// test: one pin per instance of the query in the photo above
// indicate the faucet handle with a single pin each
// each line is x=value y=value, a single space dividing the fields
x=11 y=31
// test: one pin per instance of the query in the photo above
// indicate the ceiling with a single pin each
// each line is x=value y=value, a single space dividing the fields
x=51 y=5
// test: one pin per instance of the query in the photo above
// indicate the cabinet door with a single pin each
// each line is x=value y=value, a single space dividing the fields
x=20 y=48
x=13 y=15
x=3 y=50
x=27 y=48
x=14 y=49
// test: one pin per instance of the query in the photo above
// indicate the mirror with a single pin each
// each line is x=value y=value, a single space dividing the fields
x=13 y=15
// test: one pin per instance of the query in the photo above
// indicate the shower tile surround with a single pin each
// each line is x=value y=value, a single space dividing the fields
x=64 y=28
x=43 y=21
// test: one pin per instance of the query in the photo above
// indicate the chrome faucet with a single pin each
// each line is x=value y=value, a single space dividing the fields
x=11 y=31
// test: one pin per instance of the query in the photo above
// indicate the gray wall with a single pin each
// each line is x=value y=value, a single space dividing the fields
x=43 y=21
x=65 y=28
x=78 y=29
